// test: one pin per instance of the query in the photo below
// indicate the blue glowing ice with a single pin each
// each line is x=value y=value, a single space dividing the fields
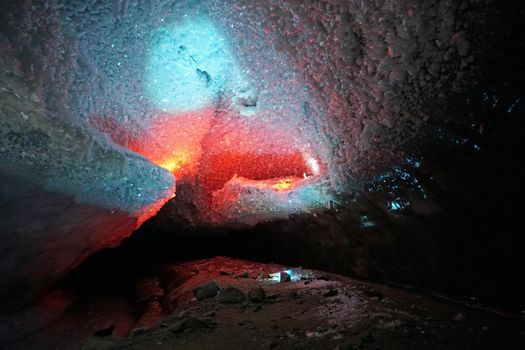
x=189 y=65
x=397 y=205
x=393 y=205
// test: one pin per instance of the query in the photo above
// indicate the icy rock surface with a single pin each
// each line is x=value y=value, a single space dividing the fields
x=364 y=73
x=350 y=83
x=65 y=191
x=64 y=195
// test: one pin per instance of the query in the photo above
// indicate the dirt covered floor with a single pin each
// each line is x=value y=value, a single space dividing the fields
x=224 y=303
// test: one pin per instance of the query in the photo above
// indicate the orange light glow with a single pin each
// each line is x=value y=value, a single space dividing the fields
x=153 y=208
x=175 y=163
x=279 y=185
x=187 y=146
x=283 y=185
x=173 y=142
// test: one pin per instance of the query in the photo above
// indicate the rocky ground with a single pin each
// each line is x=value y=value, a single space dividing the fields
x=223 y=303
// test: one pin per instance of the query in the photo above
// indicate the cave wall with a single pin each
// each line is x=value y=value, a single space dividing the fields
x=64 y=195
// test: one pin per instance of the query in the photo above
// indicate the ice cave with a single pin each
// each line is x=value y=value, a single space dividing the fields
x=262 y=174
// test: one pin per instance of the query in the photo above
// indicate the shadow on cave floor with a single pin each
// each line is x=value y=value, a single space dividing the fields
x=225 y=303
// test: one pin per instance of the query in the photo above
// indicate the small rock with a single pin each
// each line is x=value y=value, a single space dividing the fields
x=97 y=343
x=257 y=308
x=183 y=314
x=338 y=336
x=260 y=277
x=257 y=295
x=247 y=324
x=232 y=295
x=209 y=314
x=285 y=276
x=244 y=275
x=193 y=323
x=207 y=290
x=138 y=331
x=311 y=334
x=291 y=335
x=274 y=296
x=323 y=278
x=224 y=273
x=293 y=295
x=331 y=293
x=374 y=294
x=368 y=338
x=105 y=332
x=459 y=317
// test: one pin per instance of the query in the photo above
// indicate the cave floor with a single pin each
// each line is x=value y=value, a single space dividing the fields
x=314 y=310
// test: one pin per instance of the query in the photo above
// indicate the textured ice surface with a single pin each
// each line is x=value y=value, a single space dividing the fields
x=63 y=158
x=247 y=201
x=352 y=81
x=189 y=66
x=358 y=78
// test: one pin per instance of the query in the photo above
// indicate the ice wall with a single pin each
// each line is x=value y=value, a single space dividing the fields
x=88 y=85
x=66 y=190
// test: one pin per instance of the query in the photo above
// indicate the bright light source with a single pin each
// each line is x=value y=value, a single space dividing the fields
x=284 y=184
x=313 y=164
x=176 y=162
x=276 y=277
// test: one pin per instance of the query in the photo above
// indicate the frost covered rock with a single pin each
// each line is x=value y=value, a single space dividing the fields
x=66 y=192
x=207 y=290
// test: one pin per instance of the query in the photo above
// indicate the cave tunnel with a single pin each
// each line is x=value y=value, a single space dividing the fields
x=262 y=174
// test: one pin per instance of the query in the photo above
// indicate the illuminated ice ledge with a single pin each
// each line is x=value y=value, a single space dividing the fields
x=249 y=202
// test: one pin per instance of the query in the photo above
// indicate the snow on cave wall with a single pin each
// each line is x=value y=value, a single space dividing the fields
x=100 y=99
